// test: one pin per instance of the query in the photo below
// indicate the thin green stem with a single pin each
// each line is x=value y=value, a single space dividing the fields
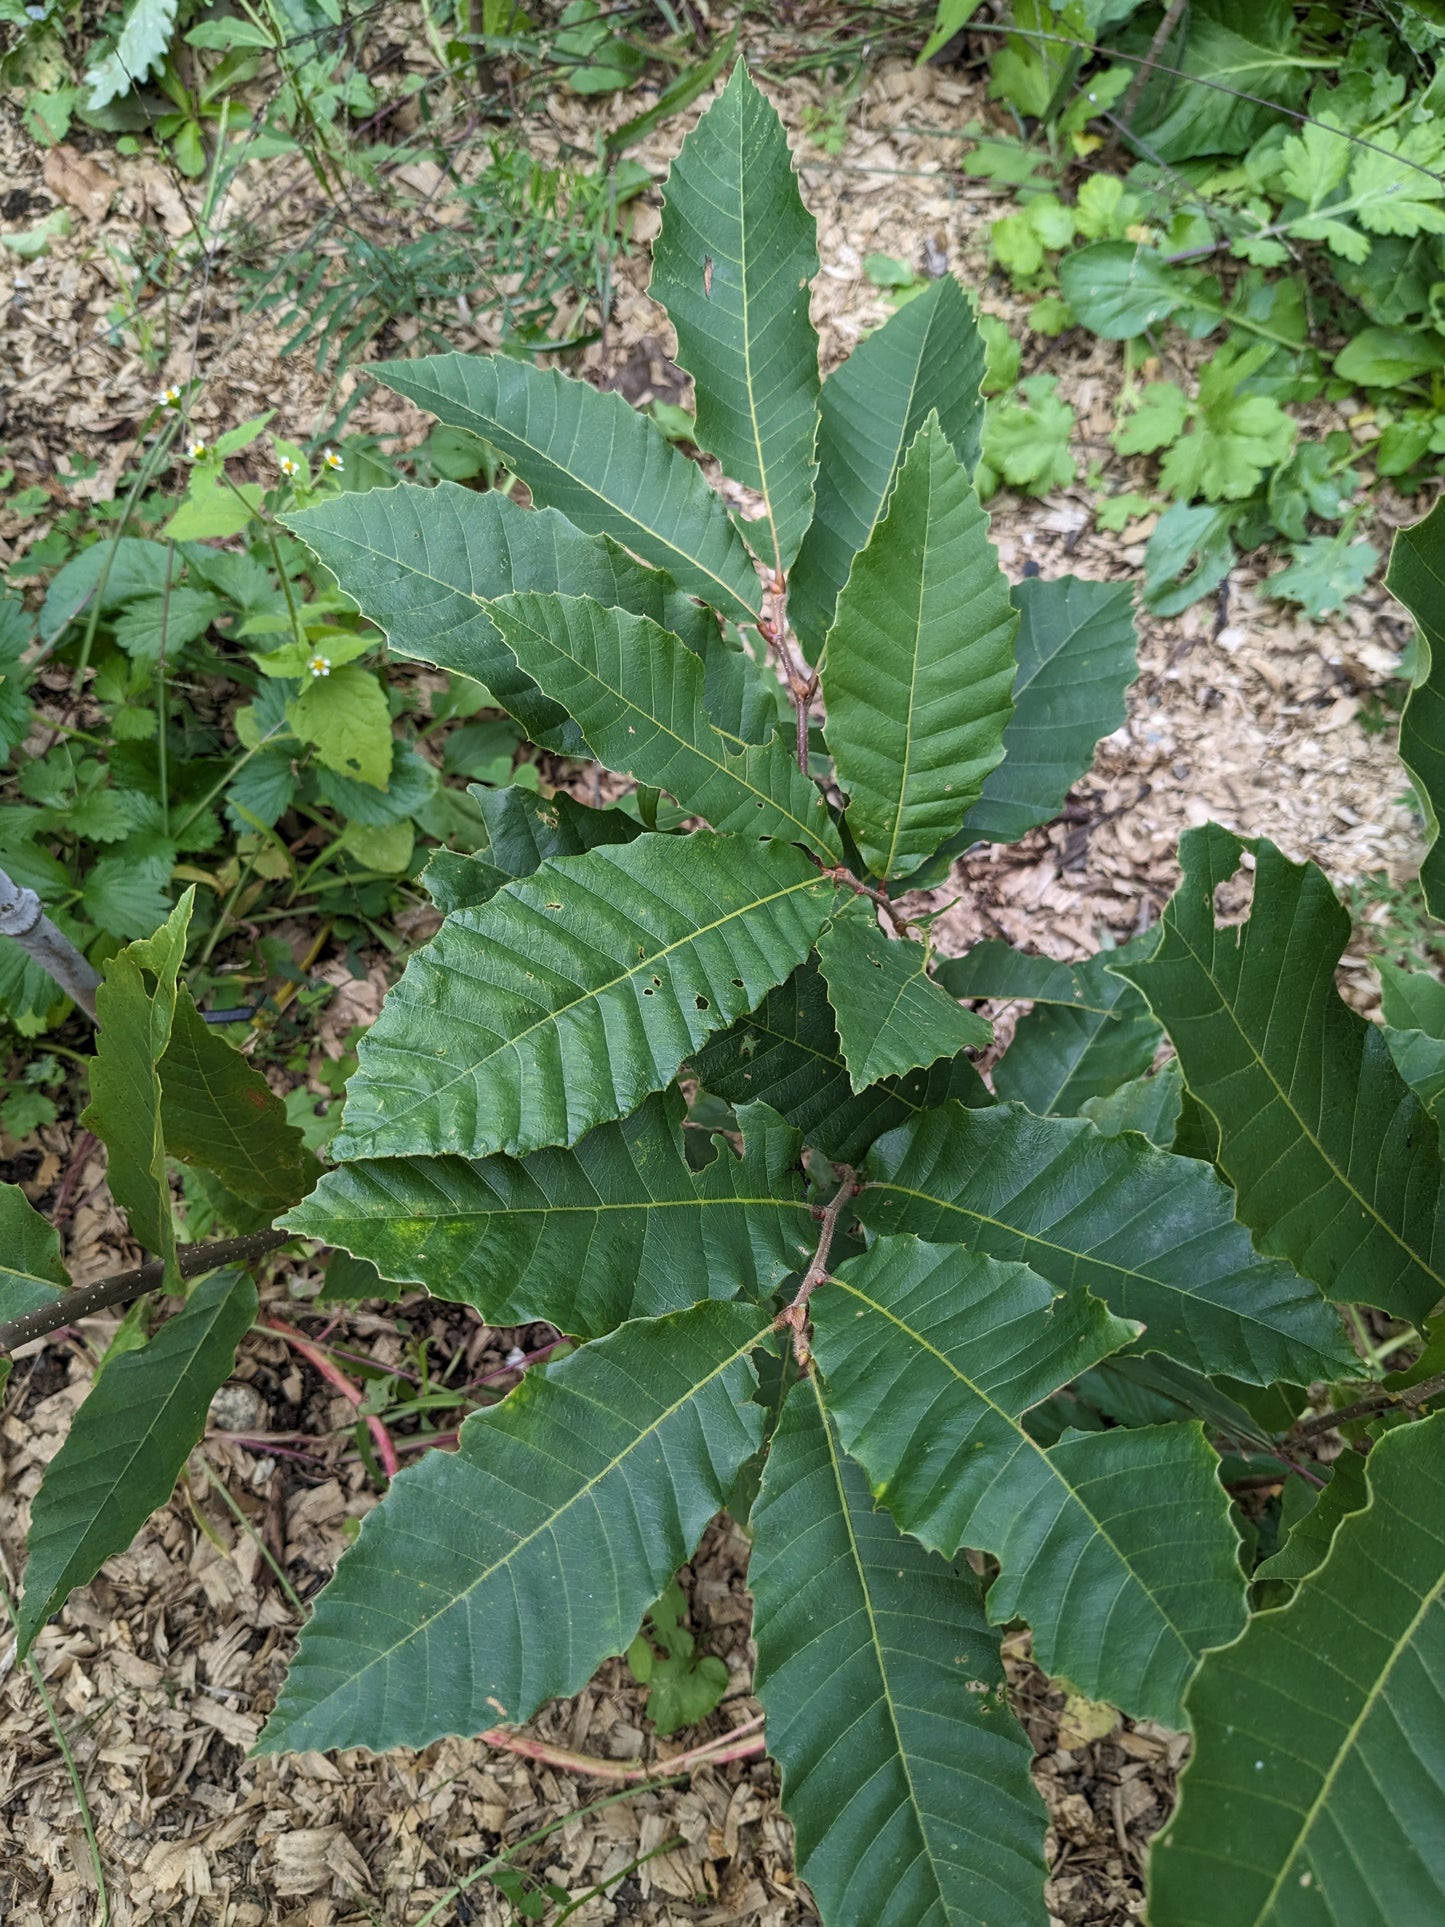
x=219 y=1485
x=77 y=1784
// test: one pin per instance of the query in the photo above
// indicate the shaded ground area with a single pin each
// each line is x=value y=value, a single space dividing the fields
x=163 y=1669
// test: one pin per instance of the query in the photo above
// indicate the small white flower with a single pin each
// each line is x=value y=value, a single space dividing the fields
x=320 y=665
x=287 y=466
x=197 y=449
x=332 y=460
x=170 y=397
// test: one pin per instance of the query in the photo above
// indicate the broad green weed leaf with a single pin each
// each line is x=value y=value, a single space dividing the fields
x=1077 y=656
x=786 y=1054
x=1316 y=1792
x=574 y=993
x=500 y=1575
x=216 y=1111
x=150 y=623
x=1236 y=436
x=927 y=356
x=32 y=1272
x=140 y=51
x=915 y=1805
x=732 y=266
x=1116 y=1547
x=127 y=892
x=1416 y=577
x=1323 y=574
x=1250 y=57
x=1151 y=1234
x=1157 y=421
x=1395 y=184
x=892 y=1017
x=1335 y=1162
x=127 y=1444
x=1117 y=289
x=920 y=663
x=605 y=466
x=344 y=716
x=1026 y=441
x=636 y=694
x=135 y=1023
x=618 y=1227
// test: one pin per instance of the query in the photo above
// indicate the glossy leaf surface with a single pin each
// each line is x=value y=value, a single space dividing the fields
x=618 y=1227
x=636 y=694
x=1316 y=1793
x=1151 y=1234
x=927 y=356
x=501 y=1575
x=605 y=466
x=915 y=1807
x=1116 y=1547
x=919 y=667
x=570 y=995
x=892 y=1017
x=127 y=1443
x=1335 y=1161
x=732 y=266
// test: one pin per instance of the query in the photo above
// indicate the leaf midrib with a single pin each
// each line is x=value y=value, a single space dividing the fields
x=808 y=832
x=916 y=652
x=591 y=995
x=730 y=594
x=1341 y=1177
x=178 y=1382
x=1056 y=1477
x=875 y=1639
x=416 y=1631
x=974 y=1216
x=1351 y=1737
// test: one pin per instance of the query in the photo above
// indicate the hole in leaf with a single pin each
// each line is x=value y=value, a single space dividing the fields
x=702 y=1003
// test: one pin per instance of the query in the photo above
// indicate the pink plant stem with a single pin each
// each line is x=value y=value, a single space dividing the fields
x=333 y=1375
x=745 y=1742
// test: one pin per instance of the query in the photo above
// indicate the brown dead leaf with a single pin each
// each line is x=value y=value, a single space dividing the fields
x=79 y=181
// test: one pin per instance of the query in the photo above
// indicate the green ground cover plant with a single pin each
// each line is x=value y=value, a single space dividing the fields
x=1267 y=179
x=684 y=1080
x=242 y=734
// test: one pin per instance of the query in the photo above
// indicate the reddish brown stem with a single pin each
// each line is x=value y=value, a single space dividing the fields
x=334 y=1375
x=884 y=902
x=794 y=1317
